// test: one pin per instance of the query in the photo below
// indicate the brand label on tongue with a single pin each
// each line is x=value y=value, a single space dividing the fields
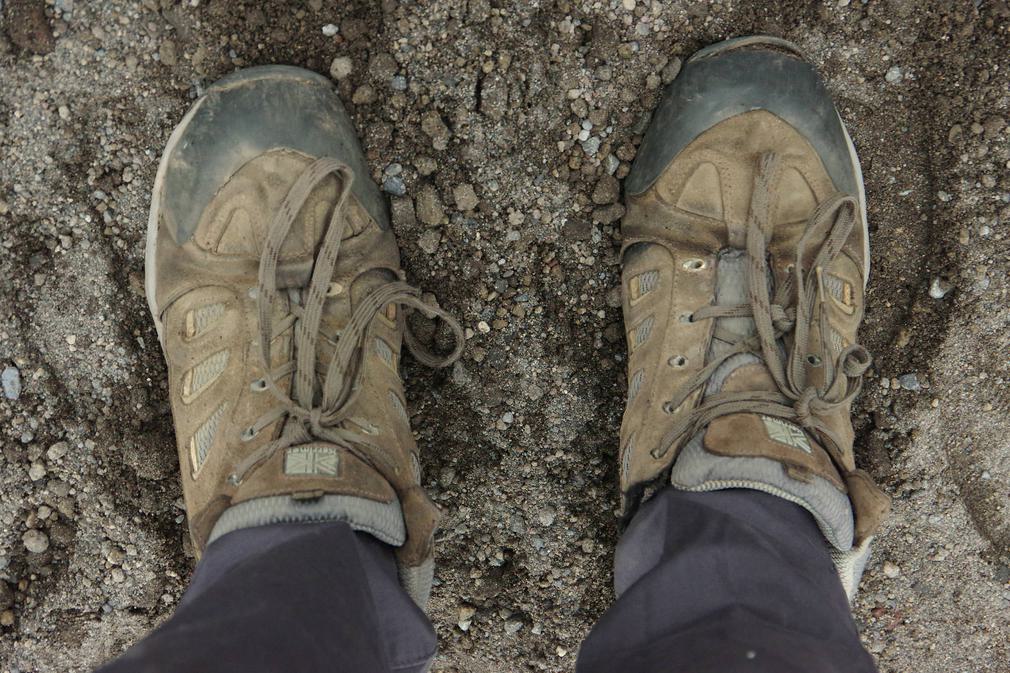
x=311 y=460
x=786 y=433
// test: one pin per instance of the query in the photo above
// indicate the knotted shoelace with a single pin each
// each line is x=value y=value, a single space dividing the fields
x=796 y=400
x=328 y=420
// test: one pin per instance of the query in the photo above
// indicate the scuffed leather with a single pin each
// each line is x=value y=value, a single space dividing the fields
x=697 y=207
x=201 y=272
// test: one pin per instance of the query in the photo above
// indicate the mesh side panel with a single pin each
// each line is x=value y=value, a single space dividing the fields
x=415 y=466
x=626 y=457
x=837 y=342
x=200 y=444
x=397 y=403
x=647 y=282
x=197 y=379
x=833 y=285
x=385 y=353
x=202 y=319
x=642 y=332
x=636 y=384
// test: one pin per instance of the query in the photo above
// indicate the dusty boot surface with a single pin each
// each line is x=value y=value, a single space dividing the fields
x=744 y=266
x=275 y=284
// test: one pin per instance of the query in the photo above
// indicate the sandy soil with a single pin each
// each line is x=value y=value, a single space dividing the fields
x=520 y=436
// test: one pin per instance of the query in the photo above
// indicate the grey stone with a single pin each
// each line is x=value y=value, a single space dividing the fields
x=909 y=382
x=35 y=541
x=429 y=241
x=393 y=184
x=11 y=380
x=341 y=68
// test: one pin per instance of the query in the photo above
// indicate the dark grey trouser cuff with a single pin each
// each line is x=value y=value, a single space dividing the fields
x=290 y=597
x=722 y=582
x=708 y=582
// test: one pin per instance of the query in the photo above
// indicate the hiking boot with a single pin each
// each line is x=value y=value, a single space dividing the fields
x=275 y=285
x=745 y=260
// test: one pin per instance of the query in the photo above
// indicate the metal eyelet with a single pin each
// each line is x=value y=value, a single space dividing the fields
x=249 y=433
x=258 y=386
x=814 y=360
x=334 y=289
x=686 y=317
x=677 y=361
x=694 y=264
x=668 y=407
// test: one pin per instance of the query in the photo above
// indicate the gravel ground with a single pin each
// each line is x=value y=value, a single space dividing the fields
x=501 y=129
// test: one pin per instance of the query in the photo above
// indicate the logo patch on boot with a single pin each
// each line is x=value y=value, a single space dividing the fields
x=311 y=460
x=786 y=433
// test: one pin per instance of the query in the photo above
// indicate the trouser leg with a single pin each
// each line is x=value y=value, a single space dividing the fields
x=290 y=597
x=726 y=581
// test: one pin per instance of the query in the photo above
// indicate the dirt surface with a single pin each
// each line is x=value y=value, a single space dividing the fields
x=472 y=112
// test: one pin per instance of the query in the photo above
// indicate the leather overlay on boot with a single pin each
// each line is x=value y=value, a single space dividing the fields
x=282 y=324
x=743 y=278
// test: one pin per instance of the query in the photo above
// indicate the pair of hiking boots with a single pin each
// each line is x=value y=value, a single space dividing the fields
x=275 y=285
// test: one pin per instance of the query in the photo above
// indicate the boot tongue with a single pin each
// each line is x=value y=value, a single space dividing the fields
x=742 y=371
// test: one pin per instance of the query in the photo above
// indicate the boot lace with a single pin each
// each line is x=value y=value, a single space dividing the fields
x=320 y=409
x=790 y=310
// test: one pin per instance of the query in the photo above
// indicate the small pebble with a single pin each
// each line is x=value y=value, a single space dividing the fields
x=167 y=54
x=429 y=206
x=891 y=570
x=36 y=471
x=11 y=380
x=35 y=541
x=893 y=74
x=466 y=614
x=330 y=29
x=393 y=184
x=671 y=70
x=939 y=288
x=546 y=516
x=909 y=382
x=429 y=241
x=341 y=67
x=607 y=190
x=465 y=197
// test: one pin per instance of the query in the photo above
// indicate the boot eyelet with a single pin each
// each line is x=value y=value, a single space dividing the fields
x=668 y=408
x=694 y=264
x=814 y=360
x=249 y=433
x=677 y=361
x=686 y=317
x=258 y=386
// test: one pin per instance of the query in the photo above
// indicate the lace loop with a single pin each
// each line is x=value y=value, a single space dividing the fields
x=328 y=419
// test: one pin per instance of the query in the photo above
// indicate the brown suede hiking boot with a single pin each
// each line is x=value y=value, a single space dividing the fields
x=275 y=284
x=745 y=261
